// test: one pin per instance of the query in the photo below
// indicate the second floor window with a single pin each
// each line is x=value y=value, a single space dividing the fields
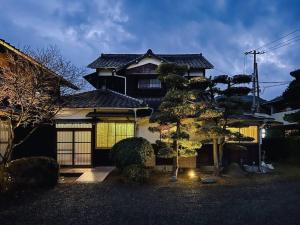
x=149 y=83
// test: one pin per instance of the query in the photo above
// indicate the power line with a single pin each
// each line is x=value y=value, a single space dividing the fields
x=274 y=82
x=275 y=85
x=269 y=43
x=283 y=44
x=286 y=41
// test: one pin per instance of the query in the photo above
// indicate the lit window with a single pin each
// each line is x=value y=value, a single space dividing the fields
x=109 y=133
x=149 y=83
x=250 y=131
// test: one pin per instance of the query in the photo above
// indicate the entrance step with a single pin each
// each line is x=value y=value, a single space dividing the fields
x=95 y=175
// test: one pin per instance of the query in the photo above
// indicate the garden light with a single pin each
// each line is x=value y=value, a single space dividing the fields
x=191 y=174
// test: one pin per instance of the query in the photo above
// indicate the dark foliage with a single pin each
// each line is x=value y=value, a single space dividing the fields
x=170 y=68
x=241 y=78
x=199 y=83
x=136 y=173
x=292 y=93
x=282 y=149
x=222 y=79
x=131 y=151
x=236 y=91
x=30 y=172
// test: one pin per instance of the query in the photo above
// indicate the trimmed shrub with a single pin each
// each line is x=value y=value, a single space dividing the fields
x=131 y=151
x=30 y=172
x=136 y=173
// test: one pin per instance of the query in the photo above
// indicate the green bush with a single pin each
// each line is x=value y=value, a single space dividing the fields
x=131 y=151
x=136 y=173
x=29 y=172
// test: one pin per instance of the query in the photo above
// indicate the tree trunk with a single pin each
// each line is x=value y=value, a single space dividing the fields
x=175 y=159
x=175 y=162
x=221 y=147
x=215 y=156
x=9 y=149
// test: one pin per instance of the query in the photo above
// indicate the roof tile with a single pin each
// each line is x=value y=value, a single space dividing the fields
x=101 y=99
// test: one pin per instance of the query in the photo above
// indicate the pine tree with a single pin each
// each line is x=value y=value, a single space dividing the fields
x=217 y=113
x=175 y=117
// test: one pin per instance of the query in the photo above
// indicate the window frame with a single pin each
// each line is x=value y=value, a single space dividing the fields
x=73 y=128
x=150 y=84
x=115 y=122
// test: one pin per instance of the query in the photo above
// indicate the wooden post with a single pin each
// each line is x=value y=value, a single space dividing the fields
x=215 y=155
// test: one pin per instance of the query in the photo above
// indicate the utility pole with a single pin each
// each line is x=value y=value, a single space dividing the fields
x=255 y=105
x=255 y=81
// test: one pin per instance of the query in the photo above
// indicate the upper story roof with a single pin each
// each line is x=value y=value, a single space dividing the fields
x=119 y=61
x=25 y=56
x=101 y=99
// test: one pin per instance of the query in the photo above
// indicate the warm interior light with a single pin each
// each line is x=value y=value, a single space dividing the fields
x=191 y=174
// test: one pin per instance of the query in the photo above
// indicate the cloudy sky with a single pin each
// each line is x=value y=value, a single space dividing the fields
x=222 y=30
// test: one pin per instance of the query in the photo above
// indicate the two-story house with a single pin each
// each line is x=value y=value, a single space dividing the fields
x=127 y=92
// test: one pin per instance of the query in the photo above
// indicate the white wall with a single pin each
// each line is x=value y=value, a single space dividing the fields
x=145 y=61
x=106 y=72
x=142 y=130
x=76 y=113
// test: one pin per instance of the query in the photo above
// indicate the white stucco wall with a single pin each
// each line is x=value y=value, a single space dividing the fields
x=69 y=113
x=145 y=61
x=142 y=131
x=107 y=72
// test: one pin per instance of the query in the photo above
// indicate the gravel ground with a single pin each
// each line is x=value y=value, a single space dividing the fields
x=274 y=202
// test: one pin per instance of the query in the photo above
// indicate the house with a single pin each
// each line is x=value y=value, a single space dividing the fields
x=278 y=108
x=41 y=140
x=127 y=91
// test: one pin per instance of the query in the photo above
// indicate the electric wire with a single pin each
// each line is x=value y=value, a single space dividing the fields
x=276 y=40
x=283 y=44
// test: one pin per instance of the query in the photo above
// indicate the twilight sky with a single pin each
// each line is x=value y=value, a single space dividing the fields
x=222 y=30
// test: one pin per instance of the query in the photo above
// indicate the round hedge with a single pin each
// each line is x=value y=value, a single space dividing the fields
x=30 y=172
x=136 y=173
x=131 y=151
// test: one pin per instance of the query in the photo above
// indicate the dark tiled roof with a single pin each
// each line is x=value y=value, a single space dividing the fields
x=101 y=99
x=274 y=100
x=117 y=61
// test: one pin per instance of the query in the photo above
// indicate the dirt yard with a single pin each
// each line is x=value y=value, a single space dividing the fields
x=260 y=199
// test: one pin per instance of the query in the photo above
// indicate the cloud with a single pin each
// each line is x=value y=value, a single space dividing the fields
x=222 y=30
x=77 y=27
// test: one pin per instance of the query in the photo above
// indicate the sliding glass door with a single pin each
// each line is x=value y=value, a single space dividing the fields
x=74 y=145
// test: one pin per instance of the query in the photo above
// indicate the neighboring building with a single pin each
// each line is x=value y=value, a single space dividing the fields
x=42 y=137
x=277 y=110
